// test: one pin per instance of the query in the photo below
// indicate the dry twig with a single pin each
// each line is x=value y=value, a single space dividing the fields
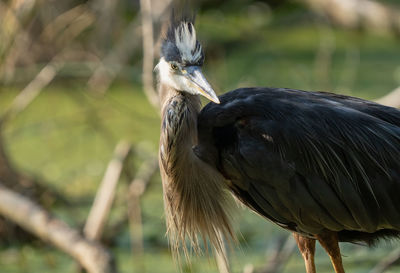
x=112 y=64
x=105 y=195
x=276 y=262
x=358 y=13
x=148 y=53
x=392 y=99
x=59 y=33
x=137 y=188
x=14 y=14
x=33 y=89
x=387 y=262
x=91 y=255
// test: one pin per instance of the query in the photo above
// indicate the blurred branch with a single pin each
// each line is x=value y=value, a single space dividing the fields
x=112 y=64
x=91 y=255
x=358 y=13
x=55 y=27
x=323 y=58
x=75 y=28
x=148 y=53
x=80 y=21
x=350 y=69
x=26 y=184
x=138 y=183
x=137 y=188
x=392 y=99
x=67 y=26
x=276 y=262
x=33 y=89
x=389 y=260
x=105 y=195
x=283 y=252
x=12 y=43
x=14 y=14
x=59 y=33
x=107 y=13
x=248 y=268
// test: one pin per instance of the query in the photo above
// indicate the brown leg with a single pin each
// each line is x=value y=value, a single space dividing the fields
x=329 y=241
x=307 y=250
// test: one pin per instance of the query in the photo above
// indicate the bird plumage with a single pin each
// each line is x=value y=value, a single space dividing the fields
x=197 y=206
x=180 y=43
x=308 y=161
x=324 y=166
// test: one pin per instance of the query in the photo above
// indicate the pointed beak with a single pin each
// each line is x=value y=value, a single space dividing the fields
x=193 y=73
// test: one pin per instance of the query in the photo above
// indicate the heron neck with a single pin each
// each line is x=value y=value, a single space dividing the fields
x=179 y=126
x=196 y=204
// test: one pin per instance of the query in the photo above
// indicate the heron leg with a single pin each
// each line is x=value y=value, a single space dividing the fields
x=329 y=241
x=307 y=250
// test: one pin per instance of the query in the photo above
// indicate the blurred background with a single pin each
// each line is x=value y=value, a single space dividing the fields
x=79 y=121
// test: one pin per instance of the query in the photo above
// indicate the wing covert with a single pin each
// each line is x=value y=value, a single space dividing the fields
x=305 y=159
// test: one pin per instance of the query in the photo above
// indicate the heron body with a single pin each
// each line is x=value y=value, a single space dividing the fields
x=324 y=166
x=308 y=161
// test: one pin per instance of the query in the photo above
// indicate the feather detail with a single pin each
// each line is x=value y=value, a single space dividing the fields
x=180 y=43
x=335 y=157
x=185 y=40
x=197 y=204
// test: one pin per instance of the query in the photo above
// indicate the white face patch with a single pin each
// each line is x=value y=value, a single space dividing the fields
x=168 y=77
x=185 y=41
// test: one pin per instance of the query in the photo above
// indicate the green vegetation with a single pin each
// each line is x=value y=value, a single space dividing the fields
x=67 y=136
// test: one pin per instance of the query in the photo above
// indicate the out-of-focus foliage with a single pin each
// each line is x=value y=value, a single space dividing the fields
x=68 y=133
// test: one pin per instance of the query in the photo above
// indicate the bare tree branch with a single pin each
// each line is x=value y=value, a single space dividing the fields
x=75 y=28
x=137 y=188
x=323 y=58
x=33 y=89
x=358 y=13
x=106 y=13
x=91 y=255
x=148 y=53
x=47 y=74
x=387 y=262
x=105 y=195
x=56 y=26
x=14 y=38
x=392 y=99
x=59 y=33
x=277 y=260
x=112 y=64
x=15 y=13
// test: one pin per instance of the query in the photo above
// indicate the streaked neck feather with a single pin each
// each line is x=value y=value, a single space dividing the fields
x=197 y=204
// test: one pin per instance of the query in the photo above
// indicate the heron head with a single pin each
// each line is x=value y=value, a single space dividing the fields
x=181 y=60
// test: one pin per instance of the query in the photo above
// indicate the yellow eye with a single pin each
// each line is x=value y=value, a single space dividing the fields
x=174 y=66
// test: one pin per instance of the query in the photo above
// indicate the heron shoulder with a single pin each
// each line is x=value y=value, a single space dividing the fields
x=281 y=103
x=291 y=146
x=323 y=134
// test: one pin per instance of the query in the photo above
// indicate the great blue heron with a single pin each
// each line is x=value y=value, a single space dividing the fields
x=324 y=166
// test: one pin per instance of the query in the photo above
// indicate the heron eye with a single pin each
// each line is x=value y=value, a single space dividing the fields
x=174 y=66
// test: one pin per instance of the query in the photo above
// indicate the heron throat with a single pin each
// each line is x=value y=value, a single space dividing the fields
x=196 y=201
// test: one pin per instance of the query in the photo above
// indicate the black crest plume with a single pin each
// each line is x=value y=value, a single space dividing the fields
x=179 y=43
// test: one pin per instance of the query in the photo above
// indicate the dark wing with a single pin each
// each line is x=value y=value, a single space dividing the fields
x=385 y=113
x=307 y=160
